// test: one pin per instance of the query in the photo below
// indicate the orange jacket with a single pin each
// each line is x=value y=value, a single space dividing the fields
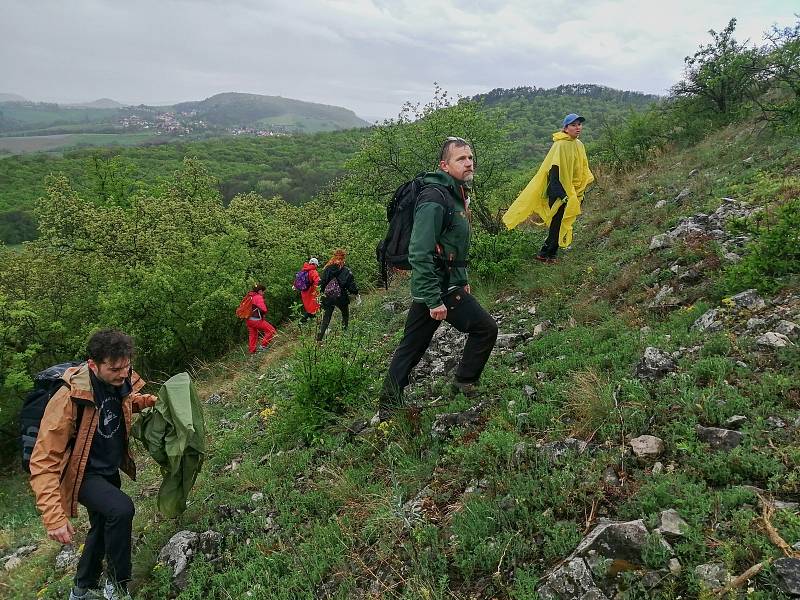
x=57 y=465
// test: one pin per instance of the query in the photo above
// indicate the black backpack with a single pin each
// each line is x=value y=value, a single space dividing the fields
x=47 y=383
x=392 y=251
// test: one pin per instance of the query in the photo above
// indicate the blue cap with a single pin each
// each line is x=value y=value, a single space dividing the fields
x=571 y=118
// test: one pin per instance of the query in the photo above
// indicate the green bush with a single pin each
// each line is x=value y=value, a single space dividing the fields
x=772 y=257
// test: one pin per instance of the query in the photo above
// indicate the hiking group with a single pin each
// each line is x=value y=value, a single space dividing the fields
x=75 y=441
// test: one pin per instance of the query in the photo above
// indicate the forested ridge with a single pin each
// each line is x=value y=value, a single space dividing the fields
x=637 y=430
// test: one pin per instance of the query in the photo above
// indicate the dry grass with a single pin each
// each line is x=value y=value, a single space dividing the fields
x=590 y=403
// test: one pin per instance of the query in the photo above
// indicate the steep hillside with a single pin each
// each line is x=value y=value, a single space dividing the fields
x=547 y=483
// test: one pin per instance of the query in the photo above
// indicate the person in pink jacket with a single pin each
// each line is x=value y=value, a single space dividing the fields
x=257 y=321
x=310 y=296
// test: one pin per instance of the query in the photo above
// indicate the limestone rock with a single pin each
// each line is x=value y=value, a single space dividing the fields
x=555 y=451
x=788 y=328
x=67 y=558
x=509 y=340
x=718 y=438
x=569 y=581
x=443 y=423
x=788 y=573
x=735 y=421
x=709 y=321
x=671 y=524
x=655 y=364
x=772 y=339
x=647 y=446
x=712 y=575
x=179 y=551
x=663 y=240
x=14 y=560
x=748 y=299
x=542 y=327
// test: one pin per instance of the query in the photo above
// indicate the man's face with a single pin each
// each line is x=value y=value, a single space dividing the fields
x=459 y=163
x=573 y=130
x=112 y=371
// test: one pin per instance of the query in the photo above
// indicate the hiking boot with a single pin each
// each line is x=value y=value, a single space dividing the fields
x=470 y=390
x=77 y=593
x=115 y=592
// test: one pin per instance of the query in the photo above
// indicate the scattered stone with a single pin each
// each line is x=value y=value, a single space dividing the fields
x=68 y=557
x=522 y=419
x=443 y=423
x=735 y=421
x=661 y=204
x=413 y=509
x=772 y=339
x=509 y=340
x=183 y=546
x=660 y=241
x=748 y=160
x=542 y=327
x=788 y=328
x=555 y=451
x=520 y=453
x=790 y=506
x=732 y=257
x=573 y=579
x=257 y=497
x=709 y=321
x=664 y=297
x=658 y=468
x=532 y=309
x=610 y=476
x=755 y=323
x=671 y=524
x=647 y=446
x=788 y=572
x=530 y=391
x=718 y=438
x=14 y=560
x=748 y=299
x=683 y=194
x=776 y=422
x=359 y=425
x=693 y=172
x=214 y=399
x=655 y=364
x=712 y=575
x=674 y=566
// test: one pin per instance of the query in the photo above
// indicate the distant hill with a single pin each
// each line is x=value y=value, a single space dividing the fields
x=220 y=114
x=100 y=103
x=12 y=98
x=234 y=109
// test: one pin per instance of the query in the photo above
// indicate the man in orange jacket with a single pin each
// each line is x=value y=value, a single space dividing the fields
x=81 y=446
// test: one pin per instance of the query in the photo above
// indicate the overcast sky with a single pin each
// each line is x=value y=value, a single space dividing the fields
x=366 y=55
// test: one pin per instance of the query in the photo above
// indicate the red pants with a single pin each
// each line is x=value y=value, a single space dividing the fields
x=253 y=328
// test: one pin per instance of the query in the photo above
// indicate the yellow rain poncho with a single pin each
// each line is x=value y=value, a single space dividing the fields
x=573 y=172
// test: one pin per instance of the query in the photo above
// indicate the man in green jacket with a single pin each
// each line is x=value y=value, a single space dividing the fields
x=439 y=286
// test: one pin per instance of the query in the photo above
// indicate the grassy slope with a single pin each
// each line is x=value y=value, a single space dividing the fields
x=331 y=523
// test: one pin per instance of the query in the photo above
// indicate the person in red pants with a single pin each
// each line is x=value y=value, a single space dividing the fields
x=257 y=321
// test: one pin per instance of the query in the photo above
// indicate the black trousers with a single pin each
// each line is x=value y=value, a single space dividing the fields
x=550 y=248
x=328 y=313
x=465 y=314
x=111 y=523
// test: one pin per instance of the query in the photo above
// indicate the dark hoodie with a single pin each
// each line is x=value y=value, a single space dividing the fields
x=346 y=281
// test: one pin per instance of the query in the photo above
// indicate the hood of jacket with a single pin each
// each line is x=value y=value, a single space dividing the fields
x=309 y=267
x=560 y=135
x=439 y=177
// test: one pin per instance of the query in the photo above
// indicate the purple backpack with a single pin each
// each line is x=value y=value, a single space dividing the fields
x=302 y=281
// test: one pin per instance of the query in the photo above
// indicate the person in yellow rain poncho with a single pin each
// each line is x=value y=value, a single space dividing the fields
x=556 y=191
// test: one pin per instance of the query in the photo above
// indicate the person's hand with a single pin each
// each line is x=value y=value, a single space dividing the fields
x=63 y=534
x=439 y=313
x=468 y=289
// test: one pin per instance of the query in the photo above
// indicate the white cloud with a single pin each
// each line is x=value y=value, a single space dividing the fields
x=368 y=55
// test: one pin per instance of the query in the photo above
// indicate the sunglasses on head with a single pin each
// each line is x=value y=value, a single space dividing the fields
x=448 y=140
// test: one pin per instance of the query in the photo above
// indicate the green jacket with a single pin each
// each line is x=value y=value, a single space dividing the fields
x=429 y=278
x=174 y=434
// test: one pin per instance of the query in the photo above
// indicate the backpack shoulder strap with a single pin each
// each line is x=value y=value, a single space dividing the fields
x=445 y=201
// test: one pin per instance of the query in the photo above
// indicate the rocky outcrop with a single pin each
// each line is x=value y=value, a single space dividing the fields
x=655 y=364
x=181 y=549
x=591 y=570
